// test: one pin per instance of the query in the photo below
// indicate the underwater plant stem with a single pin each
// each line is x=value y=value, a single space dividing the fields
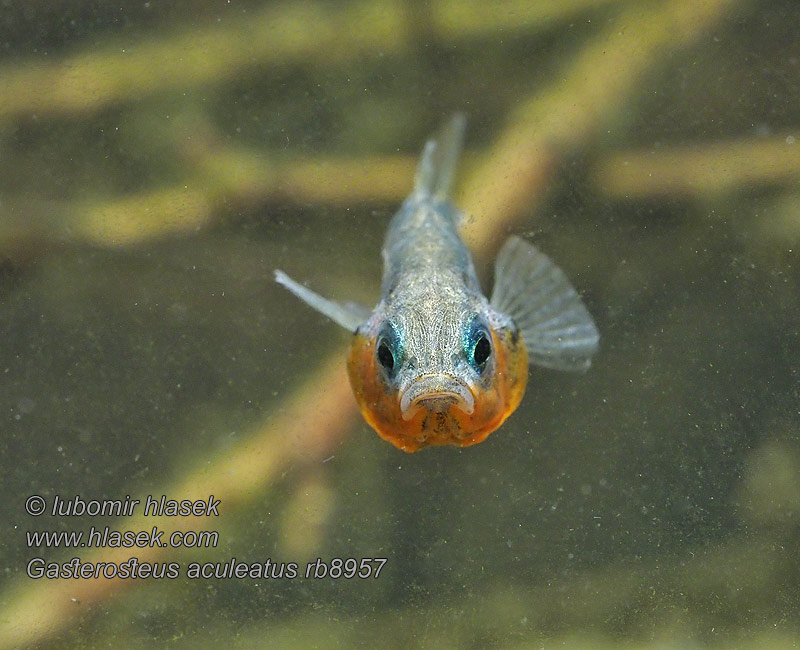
x=222 y=177
x=602 y=78
x=127 y=70
x=699 y=169
x=317 y=34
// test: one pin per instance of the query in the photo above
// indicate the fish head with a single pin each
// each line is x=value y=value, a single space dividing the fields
x=447 y=375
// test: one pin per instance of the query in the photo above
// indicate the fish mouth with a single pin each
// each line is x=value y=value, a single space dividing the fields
x=436 y=393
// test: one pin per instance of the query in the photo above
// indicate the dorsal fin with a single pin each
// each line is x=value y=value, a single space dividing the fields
x=437 y=164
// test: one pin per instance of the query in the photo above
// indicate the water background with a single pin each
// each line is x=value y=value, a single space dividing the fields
x=159 y=160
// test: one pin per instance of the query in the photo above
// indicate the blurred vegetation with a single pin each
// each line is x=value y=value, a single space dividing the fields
x=159 y=160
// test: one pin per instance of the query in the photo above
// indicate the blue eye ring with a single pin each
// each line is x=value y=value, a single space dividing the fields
x=388 y=350
x=478 y=344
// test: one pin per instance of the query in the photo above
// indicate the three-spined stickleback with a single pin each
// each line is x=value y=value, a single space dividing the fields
x=435 y=362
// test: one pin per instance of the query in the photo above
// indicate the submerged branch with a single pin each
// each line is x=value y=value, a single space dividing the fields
x=223 y=177
x=297 y=32
x=699 y=169
x=602 y=78
x=280 y=34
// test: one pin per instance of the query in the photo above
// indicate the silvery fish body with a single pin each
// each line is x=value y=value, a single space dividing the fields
x=435 y=362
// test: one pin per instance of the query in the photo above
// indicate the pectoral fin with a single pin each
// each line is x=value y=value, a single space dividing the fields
x=349 y=315
x=556 y=327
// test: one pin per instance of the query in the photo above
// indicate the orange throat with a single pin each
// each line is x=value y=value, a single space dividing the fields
x=495 y=399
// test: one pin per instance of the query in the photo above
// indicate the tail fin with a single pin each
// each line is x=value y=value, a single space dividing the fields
x=437 y=165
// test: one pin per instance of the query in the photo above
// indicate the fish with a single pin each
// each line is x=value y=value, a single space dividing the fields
x=436 y=362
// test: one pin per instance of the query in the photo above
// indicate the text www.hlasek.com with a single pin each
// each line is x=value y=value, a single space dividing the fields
x=107 y=538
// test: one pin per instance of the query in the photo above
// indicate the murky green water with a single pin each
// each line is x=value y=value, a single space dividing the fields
x=157 y=162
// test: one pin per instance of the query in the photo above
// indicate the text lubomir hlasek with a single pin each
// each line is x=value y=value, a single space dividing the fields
x=153 y=506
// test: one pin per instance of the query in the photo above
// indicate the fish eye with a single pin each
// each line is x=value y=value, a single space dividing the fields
x=478 y=345
x=388 y=350
x=385 y=356
x=482 y=351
